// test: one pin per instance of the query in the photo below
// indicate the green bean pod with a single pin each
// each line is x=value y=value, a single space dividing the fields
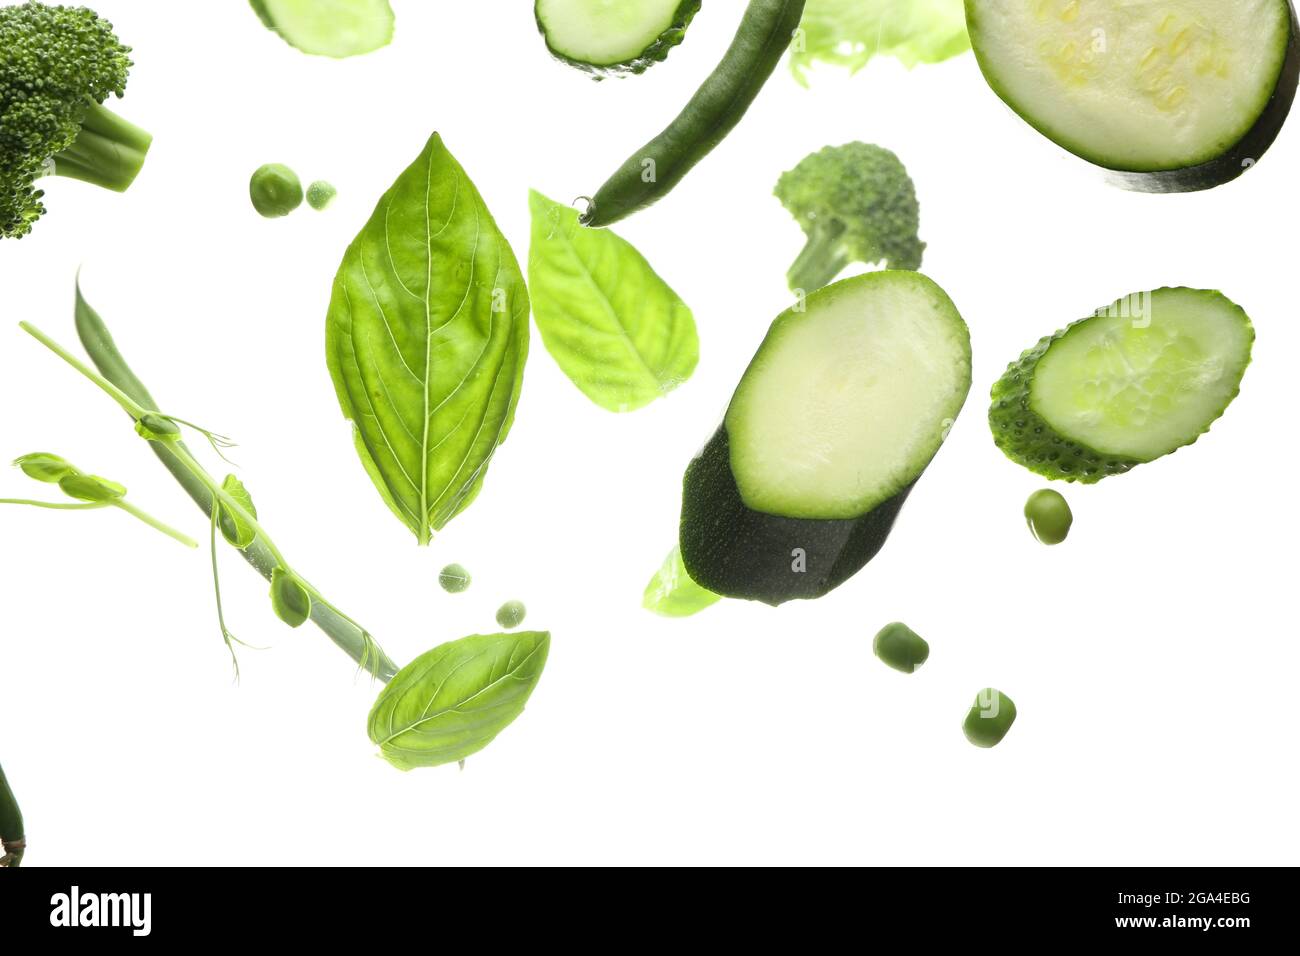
x=651 y=172
x=11 y=826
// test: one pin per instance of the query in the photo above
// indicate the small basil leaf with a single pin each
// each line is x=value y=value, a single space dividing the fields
x=43 y=466
x=452 y=701
x=612 y=325
x=234 y=529
x=673 y=593
x=426 y=338
x=91 y=488
x=289 y=599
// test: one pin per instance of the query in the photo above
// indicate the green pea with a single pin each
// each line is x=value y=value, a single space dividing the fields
x=454 y=578
x=320 y=194
x=91 y=488
x=289 y=599
x=990 y=717
x=1049 y=516
x=900 y=647
x=275 y=190
x=511 y=614
x=43 y=466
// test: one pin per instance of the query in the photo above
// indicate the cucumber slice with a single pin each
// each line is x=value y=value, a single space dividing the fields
x=1130 y=384
x=611 y=37
x=1171 y=95
x=337 y=28
x=846 y=402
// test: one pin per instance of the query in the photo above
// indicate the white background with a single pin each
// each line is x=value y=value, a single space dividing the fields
x=1152 y=657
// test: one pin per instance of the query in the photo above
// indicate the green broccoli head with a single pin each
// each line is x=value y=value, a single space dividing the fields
x=57 y=66
x=856 y=203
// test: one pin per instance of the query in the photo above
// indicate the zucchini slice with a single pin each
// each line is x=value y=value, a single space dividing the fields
x=846 y=402
x=1170 y=95
x=612 y=37
x=336 y=28
x=1139 y=379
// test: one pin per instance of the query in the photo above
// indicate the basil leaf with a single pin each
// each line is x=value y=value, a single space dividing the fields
x=452 y=701
x=673 y=593
x=612 y=325
x=233 y=528
x=426 y=341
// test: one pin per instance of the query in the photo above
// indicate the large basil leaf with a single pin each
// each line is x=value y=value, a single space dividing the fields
x=612 y=325
x=452 y=701
x=672 y=592
x=426 y=341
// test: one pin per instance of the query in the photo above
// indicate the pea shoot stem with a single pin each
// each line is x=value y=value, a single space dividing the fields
x=153 y=522
x=263 y=553
x=56 y=505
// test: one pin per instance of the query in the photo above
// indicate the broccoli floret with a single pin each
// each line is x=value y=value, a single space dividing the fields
x=57 y=66
x=856 y=203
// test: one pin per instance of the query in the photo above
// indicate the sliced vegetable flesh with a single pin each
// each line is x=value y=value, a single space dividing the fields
x=1138 y=86
x=846 y=402
x=608 y=32
x=337 y=28
x=1140 y=387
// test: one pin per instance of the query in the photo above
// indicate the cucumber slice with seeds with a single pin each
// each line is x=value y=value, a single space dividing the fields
x=1137 y=381
x=611 y=37
x=1172 y=95
x=335 y=28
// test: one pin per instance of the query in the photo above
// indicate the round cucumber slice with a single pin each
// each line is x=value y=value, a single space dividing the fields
x=1172 y=95
x=1137 y=381
x=610 y=37
x=846 y=402
x=336 y=28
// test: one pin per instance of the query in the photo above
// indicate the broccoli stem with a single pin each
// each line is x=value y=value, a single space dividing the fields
x=108 y=151
x=822 y=258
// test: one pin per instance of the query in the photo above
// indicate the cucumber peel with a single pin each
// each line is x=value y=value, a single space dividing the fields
x=1134 y=382
x=613 y=37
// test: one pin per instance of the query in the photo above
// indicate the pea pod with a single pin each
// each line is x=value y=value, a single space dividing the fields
x=11 y=826
x=656 y=168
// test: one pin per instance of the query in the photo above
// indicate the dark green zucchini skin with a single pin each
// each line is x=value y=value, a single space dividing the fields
x=740 y=553
x=1241 y=157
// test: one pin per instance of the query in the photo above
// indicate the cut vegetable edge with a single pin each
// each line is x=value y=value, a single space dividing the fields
x=873 y=344
x=351 y=28
x=774 y=550
x=1177 y=55
x=1031 y=422
x=637 y=34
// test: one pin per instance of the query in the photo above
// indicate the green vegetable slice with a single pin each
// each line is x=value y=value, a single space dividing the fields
x=612 y=325
x=609 y=37
x=426 y=340
x=849 y=33
x=1138 y=380
x=336 y=28
x=673 y=593
x=452 y=701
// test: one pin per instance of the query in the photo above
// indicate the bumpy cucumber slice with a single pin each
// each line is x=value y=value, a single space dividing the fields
x=846 y=402
x=336 y=28
x=609 y=37
x=1138 y=380
x=1172 y=94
